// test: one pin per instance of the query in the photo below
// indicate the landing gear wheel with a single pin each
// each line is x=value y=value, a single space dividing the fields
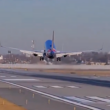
x=58 y=59
x=41 y=58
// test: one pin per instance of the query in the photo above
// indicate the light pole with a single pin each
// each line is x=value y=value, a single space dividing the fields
x=9 y=52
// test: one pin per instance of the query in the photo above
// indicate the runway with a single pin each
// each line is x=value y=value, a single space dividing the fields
x=92 y=80
x=62 y=66
x=72 y=93
x=29 y=101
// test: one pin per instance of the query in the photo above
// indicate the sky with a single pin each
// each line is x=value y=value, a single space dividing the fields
x=78 y=24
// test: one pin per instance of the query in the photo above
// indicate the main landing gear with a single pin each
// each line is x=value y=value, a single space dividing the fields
x=59 y=59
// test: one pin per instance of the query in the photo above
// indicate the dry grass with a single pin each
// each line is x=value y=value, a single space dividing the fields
x=6 y=105
x=73 y=71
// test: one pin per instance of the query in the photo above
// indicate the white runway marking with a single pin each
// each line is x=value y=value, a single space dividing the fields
x=21 y=79
x=54 y=97
x=99 y=98
x=56 y=86
x=72 y=86
x=13 y=76
x=2 y=76
x=40 y=86
x=79 y=99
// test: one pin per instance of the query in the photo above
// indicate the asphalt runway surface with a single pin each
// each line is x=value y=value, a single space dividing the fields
x=92 y=80
x=82 y=95
x=29 y=101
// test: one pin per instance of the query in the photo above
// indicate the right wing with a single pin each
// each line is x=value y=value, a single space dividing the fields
x=35 y=53
x=61 y=54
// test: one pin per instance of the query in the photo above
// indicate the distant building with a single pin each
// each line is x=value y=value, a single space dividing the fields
x=1 y=57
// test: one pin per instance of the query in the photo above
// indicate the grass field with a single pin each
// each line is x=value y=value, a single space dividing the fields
x=6 y=105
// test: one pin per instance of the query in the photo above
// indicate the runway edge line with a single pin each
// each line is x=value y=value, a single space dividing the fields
x=52 y=96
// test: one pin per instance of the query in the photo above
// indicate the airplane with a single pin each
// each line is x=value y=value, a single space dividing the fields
x=50 y=52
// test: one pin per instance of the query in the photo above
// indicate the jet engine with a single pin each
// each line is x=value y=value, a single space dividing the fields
x=35 y=54
x=65 y=55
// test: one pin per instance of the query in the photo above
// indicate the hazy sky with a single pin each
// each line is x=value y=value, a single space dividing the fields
x=78 y=24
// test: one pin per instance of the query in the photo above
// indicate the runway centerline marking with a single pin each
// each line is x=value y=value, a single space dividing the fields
x=56 y=86
x=40 y=86
x=53 y=96
x=50 y=86
x=21 y=79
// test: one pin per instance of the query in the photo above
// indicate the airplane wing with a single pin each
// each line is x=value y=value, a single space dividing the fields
x=61 y=54
x=35 y=53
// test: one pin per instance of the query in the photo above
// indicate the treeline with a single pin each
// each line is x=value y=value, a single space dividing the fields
x=85 y=57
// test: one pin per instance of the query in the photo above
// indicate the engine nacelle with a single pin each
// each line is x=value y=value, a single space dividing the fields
x=35 y=55
x=65 y=55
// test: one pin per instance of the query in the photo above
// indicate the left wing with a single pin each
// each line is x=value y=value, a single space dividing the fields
x=35 y=53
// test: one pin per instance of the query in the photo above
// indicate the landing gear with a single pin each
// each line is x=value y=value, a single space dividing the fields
x=41 y=58
x=58 y=59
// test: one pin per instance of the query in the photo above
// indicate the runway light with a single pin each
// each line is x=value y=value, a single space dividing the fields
x=26 y=102
x=49 y=101
x=20 y=90
x=74 y=108
x=33 y=95
x=3 y=102
x=9 y=87
x=26 y=69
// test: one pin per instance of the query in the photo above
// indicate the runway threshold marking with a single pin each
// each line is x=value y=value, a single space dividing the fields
x=99 y=99
x=54 y=97
x=21 y=79
x=78 y=99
